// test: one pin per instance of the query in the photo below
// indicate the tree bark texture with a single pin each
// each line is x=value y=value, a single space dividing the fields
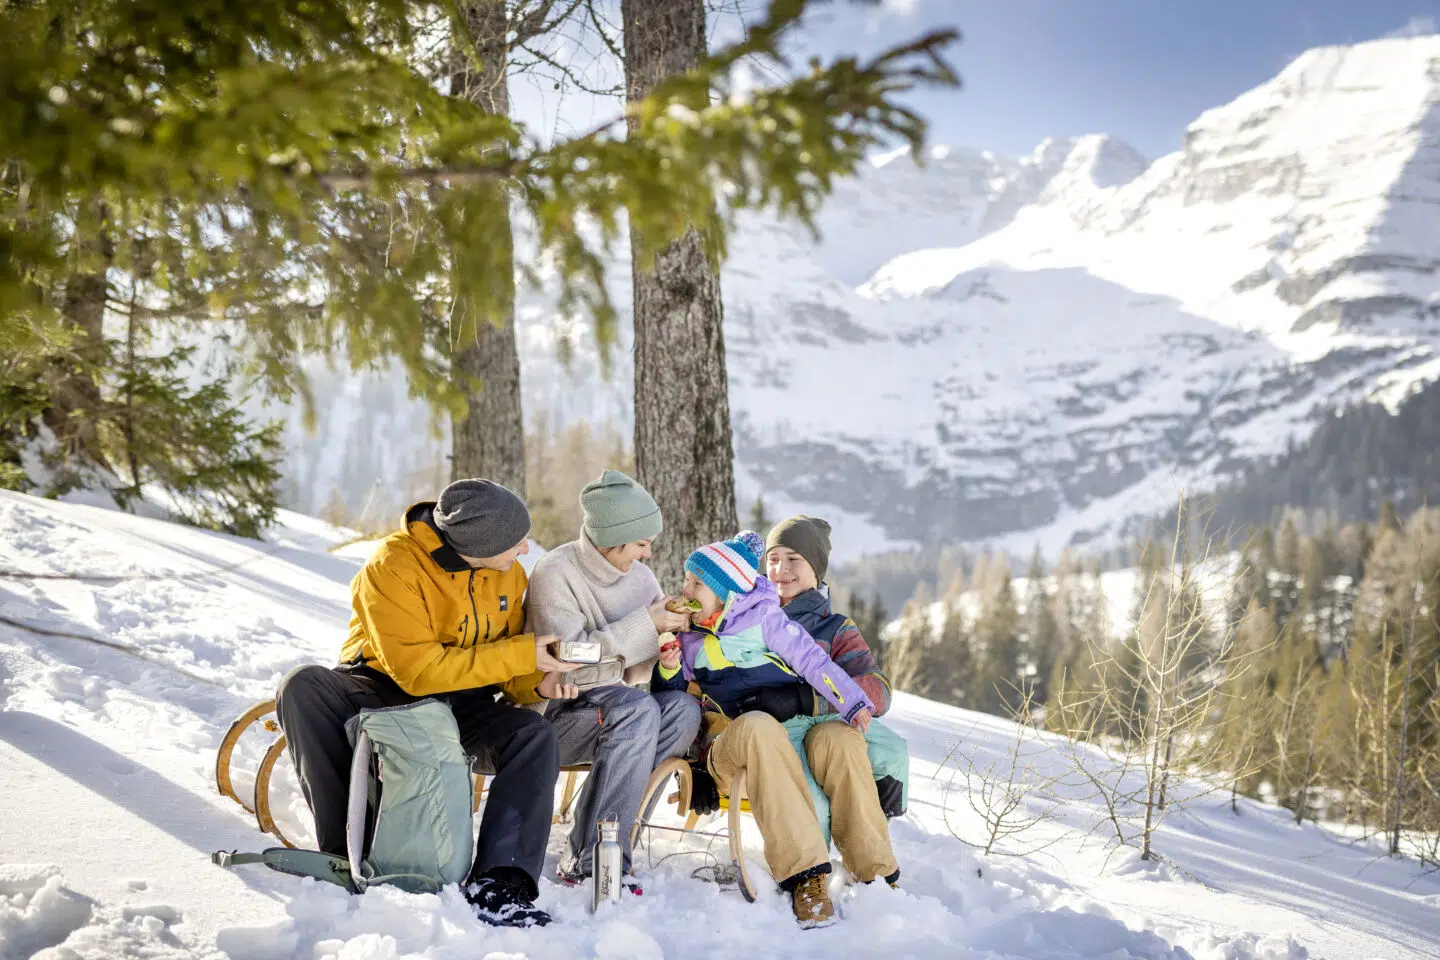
x=683 y=450
x=490 y=440
x=73 y=412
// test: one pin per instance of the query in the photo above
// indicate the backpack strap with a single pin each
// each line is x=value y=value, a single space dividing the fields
x=297 y=863
x=358 y=802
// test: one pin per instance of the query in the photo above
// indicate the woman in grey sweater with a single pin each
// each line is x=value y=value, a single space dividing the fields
x=596 y=589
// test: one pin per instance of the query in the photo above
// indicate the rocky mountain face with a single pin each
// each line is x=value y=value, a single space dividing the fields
x=1033 y=350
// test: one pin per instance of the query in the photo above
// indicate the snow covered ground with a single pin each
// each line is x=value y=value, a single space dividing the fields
x=109 y=813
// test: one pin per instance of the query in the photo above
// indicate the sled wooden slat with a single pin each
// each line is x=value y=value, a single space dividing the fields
x=262 y=792
x=227 y=749
x=655 y=795
x=737 y=853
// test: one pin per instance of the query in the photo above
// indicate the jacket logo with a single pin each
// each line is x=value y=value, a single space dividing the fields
x=504 y=604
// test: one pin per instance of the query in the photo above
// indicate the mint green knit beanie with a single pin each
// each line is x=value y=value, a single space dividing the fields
x=618 y=510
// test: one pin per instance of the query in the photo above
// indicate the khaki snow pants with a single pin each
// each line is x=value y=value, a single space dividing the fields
x=780 y=799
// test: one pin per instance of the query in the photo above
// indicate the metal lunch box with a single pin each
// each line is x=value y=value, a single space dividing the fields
x=580 y=650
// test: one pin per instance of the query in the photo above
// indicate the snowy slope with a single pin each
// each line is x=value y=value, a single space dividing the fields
x=109 y=811
x=1038 y=348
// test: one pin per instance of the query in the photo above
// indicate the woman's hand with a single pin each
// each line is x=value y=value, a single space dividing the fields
x=861 y=720
x=552 y=686
x=670 y=655
x=666 y=620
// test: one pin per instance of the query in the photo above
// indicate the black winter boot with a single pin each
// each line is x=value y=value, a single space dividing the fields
x=501 y=903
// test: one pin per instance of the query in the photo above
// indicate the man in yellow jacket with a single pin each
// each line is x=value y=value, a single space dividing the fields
x=437 y=612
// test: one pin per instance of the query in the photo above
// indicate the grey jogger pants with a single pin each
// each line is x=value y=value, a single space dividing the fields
x=623 y=732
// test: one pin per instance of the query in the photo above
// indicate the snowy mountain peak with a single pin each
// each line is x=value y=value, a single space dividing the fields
x=1100 y=161
x=1036 y=348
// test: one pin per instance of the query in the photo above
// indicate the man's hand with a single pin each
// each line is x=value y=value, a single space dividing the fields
x=553 y=687
x=670 y=655
x=861 y=720
x=546 y=661
x=668 y=621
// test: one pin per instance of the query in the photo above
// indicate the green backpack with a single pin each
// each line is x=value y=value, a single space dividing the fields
x=410 y=768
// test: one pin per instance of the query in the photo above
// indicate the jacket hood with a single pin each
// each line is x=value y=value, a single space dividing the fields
x=419 y=522
x=742 y=603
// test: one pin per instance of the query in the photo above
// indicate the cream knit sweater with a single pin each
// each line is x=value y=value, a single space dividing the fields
x=575 y=592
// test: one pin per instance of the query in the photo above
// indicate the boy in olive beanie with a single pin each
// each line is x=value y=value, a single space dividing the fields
x=618 y=511
x=807 y=536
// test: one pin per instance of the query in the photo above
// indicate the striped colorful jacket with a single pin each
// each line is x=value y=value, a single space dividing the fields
x=844 y=643
x=755 y=645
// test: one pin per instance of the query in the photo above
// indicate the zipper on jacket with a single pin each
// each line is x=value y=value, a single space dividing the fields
x=473 y=610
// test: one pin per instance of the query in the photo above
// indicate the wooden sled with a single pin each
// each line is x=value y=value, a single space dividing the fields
x=658 y=793
x=261 y=808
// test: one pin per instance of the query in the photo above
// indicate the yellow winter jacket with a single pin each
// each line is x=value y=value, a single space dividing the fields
x=423 y=616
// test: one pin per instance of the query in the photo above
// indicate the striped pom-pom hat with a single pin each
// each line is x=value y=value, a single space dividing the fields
x=729 y=566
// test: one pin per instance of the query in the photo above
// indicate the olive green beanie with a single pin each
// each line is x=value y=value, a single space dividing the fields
x=618 y=510
x=807 y=536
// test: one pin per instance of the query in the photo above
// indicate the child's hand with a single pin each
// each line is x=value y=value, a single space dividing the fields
x=670 y=655
x=861 y=720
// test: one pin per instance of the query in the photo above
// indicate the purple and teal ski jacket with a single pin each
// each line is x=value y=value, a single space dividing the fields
x=753 y=645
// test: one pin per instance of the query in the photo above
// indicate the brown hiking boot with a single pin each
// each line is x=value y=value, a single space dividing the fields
x=811 y=901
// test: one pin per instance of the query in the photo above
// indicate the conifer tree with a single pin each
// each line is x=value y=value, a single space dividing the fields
x=759 y=518
x=996 y=655
x=871 y=619
x=950 y=662
x=683 y=446
x=1041 y=633
x=487 y=435
x=289 y=173
x=907 y=649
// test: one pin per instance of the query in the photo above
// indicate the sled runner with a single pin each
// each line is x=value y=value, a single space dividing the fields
x=658 y=795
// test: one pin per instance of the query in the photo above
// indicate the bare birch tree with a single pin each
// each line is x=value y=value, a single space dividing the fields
x=1152 y=704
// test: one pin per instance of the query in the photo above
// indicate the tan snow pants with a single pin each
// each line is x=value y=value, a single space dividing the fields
x=780 y=799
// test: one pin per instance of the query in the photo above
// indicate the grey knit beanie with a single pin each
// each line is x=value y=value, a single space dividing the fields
x=618 y=510
x=807 y=536
x=481 y=518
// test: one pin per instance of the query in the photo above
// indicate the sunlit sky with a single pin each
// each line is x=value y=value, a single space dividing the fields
x=1140 y=70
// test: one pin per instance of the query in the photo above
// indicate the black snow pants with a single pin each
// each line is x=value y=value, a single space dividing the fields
x=518 y=746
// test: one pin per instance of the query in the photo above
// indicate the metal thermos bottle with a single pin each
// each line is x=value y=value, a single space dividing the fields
x=606 y=877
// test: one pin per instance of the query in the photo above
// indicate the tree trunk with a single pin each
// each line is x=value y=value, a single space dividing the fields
x=1152 y=782
x=74 y=401
x=683 y=451
x=1398 y=808
x=1303 y=800
x=490 y=440
x=1165 y=770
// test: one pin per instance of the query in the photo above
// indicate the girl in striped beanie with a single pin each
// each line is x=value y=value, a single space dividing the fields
x=726 y=568
x=755 y=644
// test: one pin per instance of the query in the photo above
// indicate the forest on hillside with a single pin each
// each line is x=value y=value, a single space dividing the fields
x=1302 y=668
x=1358 y=458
